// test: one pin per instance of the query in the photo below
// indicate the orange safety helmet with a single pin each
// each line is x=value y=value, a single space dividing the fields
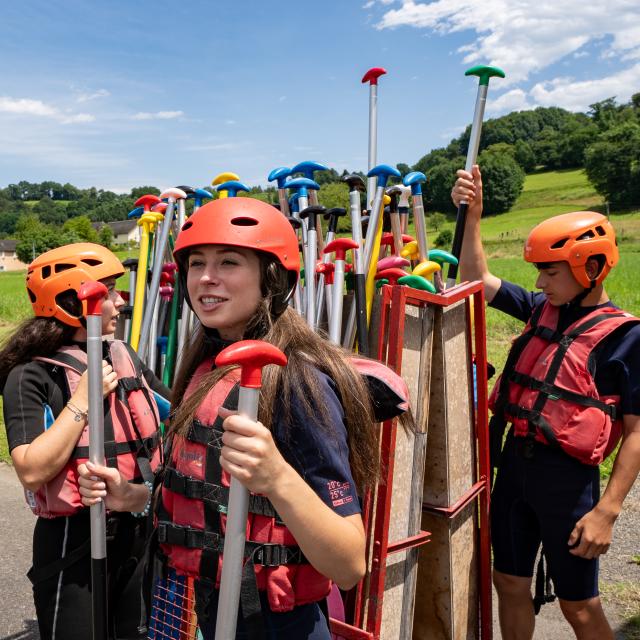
x=66 y=269
x=574 y=238
x=241 y=222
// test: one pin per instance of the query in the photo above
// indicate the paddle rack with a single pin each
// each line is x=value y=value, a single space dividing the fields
x=435 y=480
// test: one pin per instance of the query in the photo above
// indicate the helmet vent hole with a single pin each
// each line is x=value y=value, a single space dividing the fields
x=46 y=271
x=32 y=296
x=600 y=231
x=559 y=244
x=91 y=262
x=244 y=222
x=587 y=235
x=187 y=225
x=61 y=266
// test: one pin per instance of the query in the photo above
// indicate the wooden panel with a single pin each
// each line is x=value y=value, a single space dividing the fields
x=399 y=595
x=450 y=468
x=447 y=592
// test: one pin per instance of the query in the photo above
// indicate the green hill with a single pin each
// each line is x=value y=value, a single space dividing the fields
x=544 y=195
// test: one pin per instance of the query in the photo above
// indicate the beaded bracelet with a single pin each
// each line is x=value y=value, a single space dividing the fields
x=147 y=507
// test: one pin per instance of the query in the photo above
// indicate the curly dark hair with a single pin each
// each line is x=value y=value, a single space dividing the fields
x=38 y=337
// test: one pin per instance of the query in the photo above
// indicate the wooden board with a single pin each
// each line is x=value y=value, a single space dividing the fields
x=447 y=597
x=446 y=594
x=450 y=468
x=401 y=567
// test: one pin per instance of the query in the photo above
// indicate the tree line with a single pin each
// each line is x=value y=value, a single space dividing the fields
x=605 y=141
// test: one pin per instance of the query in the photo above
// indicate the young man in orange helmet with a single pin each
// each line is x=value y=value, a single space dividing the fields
x=570 y=390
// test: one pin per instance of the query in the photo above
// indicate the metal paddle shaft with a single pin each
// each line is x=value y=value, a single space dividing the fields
x=251 y=355
x=93 y=293
x=161 y=244
x=324 y=293
x=340 y=247
x=415 y=180
x=381 y=174
x=371 y=77
x=147 y=221
x=358 y=312
x=310 y=214
x=484 y=73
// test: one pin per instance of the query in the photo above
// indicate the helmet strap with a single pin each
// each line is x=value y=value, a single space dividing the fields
x=582 y=295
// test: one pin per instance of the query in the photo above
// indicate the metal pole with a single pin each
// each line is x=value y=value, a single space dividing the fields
x=251 y=355
x=94 y=293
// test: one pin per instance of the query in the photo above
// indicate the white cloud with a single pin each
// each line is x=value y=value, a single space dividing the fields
x=524 y=36
x=158 y=115
x=78 y=117
x=86 y=97
x=514 y=100
x=26 y=106
x=578 y=95
x=30 y=107
x=229 y=122
x=282 y=98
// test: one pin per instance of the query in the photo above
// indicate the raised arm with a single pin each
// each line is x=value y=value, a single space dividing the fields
x=473 y=262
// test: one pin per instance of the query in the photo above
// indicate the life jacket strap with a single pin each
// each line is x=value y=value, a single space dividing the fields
x=121 y=448
x=554 y=392
x=196 y=489
x=544 y=589
x=265 y=554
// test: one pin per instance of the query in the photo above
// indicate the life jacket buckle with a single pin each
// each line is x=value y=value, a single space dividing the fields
x=161 y=532
x=212 y=541
x=268 y=555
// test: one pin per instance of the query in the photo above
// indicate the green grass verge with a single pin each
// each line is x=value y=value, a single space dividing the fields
x=626 y=597
x=544 y=195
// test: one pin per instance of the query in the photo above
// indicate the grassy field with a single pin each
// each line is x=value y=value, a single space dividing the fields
x=544 y=195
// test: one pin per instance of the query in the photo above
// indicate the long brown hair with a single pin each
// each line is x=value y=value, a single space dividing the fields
x=37 y=337
x=306 y=352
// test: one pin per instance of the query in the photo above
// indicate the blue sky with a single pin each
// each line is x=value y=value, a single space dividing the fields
x=123 y=93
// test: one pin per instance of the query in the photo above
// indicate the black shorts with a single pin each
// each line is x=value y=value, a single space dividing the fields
x=538 y=501
x=63 y=599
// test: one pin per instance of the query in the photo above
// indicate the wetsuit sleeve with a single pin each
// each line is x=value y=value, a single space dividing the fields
x=618 y=368
x=320 y=452
x=27 y=394
x=516 y=301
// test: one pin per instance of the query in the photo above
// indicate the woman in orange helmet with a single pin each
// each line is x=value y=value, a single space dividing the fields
x=304 y=461
x=569 y=391
x=44 y=384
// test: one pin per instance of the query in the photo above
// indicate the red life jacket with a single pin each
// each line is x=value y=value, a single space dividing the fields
x=195 y=494
x=548 y=392
x=131 y=431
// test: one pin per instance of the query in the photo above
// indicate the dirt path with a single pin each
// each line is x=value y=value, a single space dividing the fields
x=620 y=576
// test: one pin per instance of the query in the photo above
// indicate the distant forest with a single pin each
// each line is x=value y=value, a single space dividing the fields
x=605 y=141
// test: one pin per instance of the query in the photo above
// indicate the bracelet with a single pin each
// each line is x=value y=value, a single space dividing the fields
x=147 y=507
x=77 y=413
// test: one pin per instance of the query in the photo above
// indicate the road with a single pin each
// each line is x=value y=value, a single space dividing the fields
x=17 y=615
